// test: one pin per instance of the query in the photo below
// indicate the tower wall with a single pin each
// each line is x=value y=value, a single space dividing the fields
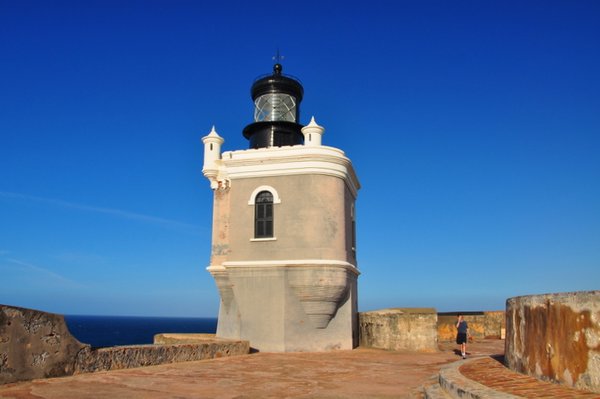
x=297 y=290
x=309 y=223
x=268 y=310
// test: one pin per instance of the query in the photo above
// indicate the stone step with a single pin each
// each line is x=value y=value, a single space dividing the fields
x=483 y=377
x=493 y=374
x=458 y=386
x=435 y=391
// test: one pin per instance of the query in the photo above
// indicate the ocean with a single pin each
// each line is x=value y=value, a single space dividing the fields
x=103 y=331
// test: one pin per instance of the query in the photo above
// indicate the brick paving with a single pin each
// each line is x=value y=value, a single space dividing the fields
x=493 y=374
x=361 y=373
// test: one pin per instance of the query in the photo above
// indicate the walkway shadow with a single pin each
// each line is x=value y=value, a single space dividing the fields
x=498 y=358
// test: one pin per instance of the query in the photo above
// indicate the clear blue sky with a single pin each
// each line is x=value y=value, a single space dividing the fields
x=474 y=127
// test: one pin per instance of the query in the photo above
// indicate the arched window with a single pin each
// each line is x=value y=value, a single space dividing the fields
x=263 y=215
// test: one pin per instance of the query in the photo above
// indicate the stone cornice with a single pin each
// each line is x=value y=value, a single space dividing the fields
x=292 y=160
x=289 y=263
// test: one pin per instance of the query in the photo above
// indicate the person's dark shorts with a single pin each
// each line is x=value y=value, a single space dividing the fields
x=461 y=338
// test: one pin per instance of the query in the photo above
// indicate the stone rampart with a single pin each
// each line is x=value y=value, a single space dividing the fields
x=412 y=329
x=482 y=325
x=36 y=344
x=124 y=357
x=494 y=324
x=555 y=337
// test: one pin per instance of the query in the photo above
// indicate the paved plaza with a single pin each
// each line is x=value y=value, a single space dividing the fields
x=360 y=373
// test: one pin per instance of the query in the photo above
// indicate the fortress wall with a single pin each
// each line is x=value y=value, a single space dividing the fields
x=555 y=337
x=494 y=324
x=125 y=357
x=399 y=329
x=36 y=344
x=482 y=325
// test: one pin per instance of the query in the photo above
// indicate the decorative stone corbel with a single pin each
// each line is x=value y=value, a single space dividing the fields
x=222 y=184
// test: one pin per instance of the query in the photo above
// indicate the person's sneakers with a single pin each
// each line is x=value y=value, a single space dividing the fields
x=464 y=355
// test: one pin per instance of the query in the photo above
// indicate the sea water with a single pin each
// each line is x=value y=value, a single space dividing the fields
x=103 y=331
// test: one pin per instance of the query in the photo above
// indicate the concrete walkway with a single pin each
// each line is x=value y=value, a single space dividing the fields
x=361 y=373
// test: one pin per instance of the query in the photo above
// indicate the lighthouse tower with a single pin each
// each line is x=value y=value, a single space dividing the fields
x=283 y=241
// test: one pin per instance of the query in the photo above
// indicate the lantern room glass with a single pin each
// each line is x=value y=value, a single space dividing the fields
x=275 y=107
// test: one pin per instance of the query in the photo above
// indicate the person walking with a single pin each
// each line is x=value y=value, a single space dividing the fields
x=462 y=334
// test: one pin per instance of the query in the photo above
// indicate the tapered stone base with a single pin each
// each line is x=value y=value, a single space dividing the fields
x=289 y=308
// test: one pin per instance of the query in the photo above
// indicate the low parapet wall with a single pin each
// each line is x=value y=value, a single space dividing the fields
x=125 y=357
x=555 y=337
x=36 y=344
x=482 y=325
x=411 y=329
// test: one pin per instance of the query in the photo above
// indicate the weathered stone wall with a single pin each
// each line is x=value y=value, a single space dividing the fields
x=412 y=329
x=494 y=324
x=482 y=325
x=124 y=357
x=275 y=293
x=186 y=338
x=555 y=337
x=36 y=344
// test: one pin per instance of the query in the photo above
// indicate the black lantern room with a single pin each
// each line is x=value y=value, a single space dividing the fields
x=277 y=100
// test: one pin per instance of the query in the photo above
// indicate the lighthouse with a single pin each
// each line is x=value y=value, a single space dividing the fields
x=283 y=253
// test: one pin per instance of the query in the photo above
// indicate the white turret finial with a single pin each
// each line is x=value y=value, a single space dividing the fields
x=212 y=133
x=312 y=133
x=213 y=137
